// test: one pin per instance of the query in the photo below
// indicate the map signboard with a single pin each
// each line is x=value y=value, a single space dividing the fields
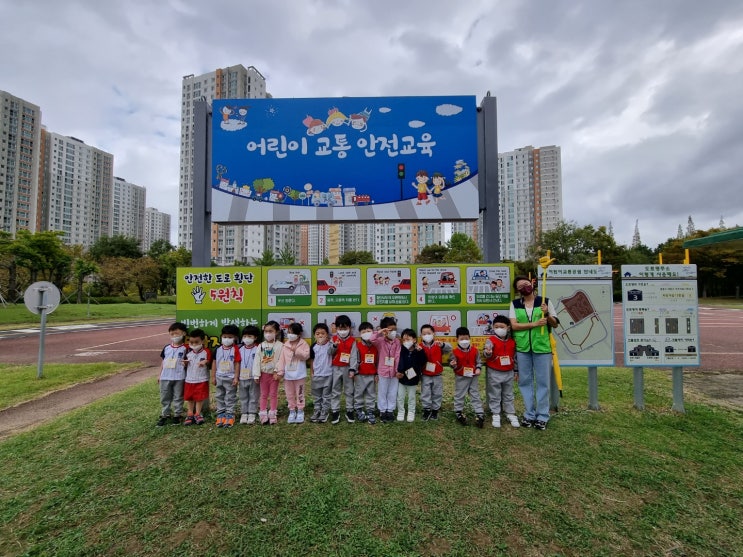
x=346 y=159
x=582 y=297
x=660 y=315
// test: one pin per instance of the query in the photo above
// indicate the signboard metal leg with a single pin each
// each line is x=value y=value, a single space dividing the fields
x=593 y=388
x=554 y=392
x=42 y=333
x=678 y=389
x=638 y=382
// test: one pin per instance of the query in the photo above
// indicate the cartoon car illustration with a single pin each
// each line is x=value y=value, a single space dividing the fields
x=440 y=324
x=447 y=278
x=282 y=287
x=480 y=275
x=404 y=284
x=483 y=319
x=323 y=286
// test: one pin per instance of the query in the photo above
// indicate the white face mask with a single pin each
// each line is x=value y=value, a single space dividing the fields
x=196 y=347
x=292 y=337
x=366 y=336
x=501 y=332
x=248 y=341
x=269 y=336
x=227 y=341
x=428 y=339
x=408 y=344
x=464 y=343
x=343 y=333
x=176 y=339
x=392 y=335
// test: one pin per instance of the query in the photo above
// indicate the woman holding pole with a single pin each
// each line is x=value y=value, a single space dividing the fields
x=532 y=317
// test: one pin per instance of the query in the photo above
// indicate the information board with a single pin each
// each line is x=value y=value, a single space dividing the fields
x=660 y=315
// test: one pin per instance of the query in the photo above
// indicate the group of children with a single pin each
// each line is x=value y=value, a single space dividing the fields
x=378 y=373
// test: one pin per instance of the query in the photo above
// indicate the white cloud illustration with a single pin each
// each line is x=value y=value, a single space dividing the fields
x=385 y=109
x=448 y=109
x=416 y=124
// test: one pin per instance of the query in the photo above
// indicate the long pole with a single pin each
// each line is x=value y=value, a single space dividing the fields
x=42 y=310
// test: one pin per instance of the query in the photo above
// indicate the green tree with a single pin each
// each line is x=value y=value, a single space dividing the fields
x=145 y=274
x=114 y=275
x=115 y=246
x=159 y=248
x=286 y=256
x=169 y=263
x=462 y=249
x=266 y=259
x=357 y=258
x=435 y=253
x=81 y=269
x=43 y=255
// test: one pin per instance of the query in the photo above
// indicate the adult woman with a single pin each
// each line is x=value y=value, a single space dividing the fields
x=531 y=321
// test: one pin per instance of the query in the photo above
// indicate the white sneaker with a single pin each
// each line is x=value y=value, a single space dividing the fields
x=411 y=416
x=496 y=420
x=514 y=420
x=244 y=419
x=251 y=419
x=401 y=416
x=292 y=417
x=300 y=417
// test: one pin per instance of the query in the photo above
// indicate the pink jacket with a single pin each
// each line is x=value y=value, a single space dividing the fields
x=292 y=362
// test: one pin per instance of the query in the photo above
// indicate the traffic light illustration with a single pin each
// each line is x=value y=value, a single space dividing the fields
x=401 y=170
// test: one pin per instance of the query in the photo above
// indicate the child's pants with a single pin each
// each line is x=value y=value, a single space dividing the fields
x=364 y=395
x=464 y=386
x=294 y=389
x=409 y=392
x=432 y=391
x=171 y=392
x=342 y=383
x=499 y=390
x=321 y=389
x=249 y=391
x=269 y=390
x=387 y=393
x=226 y=394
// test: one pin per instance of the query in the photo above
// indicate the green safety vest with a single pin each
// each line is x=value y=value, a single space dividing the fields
x=531 y=340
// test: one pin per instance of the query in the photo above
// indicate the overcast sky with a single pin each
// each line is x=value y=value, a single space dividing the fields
x=644 y=97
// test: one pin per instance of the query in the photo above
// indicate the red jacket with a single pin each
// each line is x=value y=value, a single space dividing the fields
x=504 y=354
x=470 y=359
x=433 y=355
x=344 y=347
x=368 y=357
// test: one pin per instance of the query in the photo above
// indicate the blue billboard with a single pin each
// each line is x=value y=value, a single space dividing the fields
x=344 y=159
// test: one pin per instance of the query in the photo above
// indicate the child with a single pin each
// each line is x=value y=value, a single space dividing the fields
x=409 y=371
x=322 y=372
x=500 y=354
x=198 y=362
x=249 y=388
x=465 y=362
x=366 y=378
x=226 y=375
x=264 y=367
x=345 y=362
x=172 y=375
x=292 y=366
x=432 y=382
x=388 y=346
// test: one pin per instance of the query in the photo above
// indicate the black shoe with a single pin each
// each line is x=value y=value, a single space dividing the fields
x=525 y=422
x=350 y=417
x=426 y=414
x=177 y=420
x=162 y=421
x=461 y=418
x=386 y=417
x=335 y=417
x=434 y=414
x=540 y=425
x=480 y=420
x=371 y=418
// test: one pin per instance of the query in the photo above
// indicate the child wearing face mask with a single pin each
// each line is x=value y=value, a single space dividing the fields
x=248 y=389
x=432 y=382
x=292 y=367
x=465 y=361
x=409 y=371
x=365 y=381
x=264 y=367
x=198 y=362
x=322 y=372
x=345 y=363
x=172 y=375
x=499 y=353
x=388 y=345
x=226 y=375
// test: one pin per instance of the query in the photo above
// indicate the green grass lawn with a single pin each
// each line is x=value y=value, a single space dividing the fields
x=20 y=383
x=105 y=481
x=18 y=315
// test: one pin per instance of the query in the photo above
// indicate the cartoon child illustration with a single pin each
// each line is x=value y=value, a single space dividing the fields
x=438 y=187
x=314 y=125
x=359 y=120
x=424 y=284
x=335 y=118
x=242 y=113
x=227 y=111
x=421 y=184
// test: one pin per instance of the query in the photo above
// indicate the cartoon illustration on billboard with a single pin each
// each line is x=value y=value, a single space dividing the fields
x=439 y=285
x=488 y=285
x=388 y=285
x=289 y=286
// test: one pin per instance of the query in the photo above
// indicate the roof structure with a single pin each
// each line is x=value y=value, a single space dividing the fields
x=729 y=239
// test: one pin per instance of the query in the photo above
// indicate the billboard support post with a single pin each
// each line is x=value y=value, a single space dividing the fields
x=487 y=148
x=201 y=195
x=638 y=373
